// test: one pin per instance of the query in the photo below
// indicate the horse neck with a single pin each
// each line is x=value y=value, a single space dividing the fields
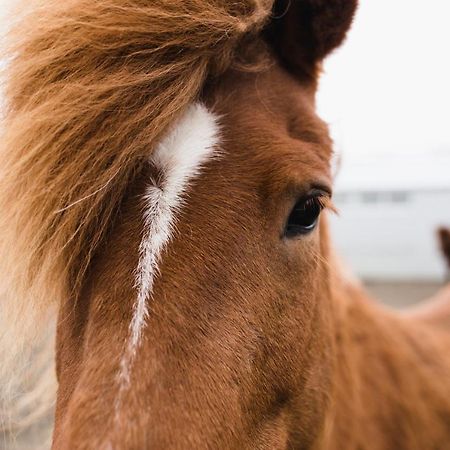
x=391 y=377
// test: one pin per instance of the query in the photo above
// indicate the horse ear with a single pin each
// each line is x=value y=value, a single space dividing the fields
x=303 y=32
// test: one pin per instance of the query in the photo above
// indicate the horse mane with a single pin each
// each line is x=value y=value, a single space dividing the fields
x=89 y=87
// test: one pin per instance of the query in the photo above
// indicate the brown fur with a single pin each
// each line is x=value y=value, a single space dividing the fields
x=391 y=388
x=444 y=238
x=233 y=359
x=89 y=88
x=253 y=341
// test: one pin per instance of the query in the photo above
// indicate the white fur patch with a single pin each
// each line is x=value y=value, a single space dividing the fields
x=179 y=158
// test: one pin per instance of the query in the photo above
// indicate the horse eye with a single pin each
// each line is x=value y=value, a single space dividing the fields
x=304 y=216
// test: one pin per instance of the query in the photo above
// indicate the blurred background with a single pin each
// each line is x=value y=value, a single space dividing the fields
x=386 y=96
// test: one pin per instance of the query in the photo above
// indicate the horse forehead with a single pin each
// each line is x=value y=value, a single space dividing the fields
x=270 y=119
x=187 y=146
x=263 y=148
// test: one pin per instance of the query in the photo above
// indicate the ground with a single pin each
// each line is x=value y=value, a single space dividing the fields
x=402 y=294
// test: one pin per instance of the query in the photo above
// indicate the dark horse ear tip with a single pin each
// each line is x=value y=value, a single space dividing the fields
x=303 y=32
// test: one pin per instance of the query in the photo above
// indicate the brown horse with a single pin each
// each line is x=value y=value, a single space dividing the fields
x=164 y=178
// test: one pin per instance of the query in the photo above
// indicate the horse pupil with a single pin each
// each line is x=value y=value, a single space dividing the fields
x=303 y=217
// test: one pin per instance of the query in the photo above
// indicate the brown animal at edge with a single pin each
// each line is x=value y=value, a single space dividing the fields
x=444 y=237
x=255 y=338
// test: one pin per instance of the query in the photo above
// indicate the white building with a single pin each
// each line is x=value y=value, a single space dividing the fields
x=390 y=207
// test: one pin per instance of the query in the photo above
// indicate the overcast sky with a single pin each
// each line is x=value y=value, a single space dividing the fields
x=387 y=89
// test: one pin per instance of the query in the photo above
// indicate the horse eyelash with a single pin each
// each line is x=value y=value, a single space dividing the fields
x=323 y=201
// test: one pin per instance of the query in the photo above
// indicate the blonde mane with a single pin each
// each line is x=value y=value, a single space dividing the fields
x=89 y=87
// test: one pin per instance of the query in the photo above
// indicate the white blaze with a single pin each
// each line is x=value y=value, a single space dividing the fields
x=178 y=158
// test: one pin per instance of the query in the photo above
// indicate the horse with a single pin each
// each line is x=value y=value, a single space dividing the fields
x=164 y=190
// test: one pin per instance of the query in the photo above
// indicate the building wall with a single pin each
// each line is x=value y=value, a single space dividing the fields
x=391 y=235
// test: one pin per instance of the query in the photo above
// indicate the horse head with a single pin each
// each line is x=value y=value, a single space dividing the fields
x=174 y=180
x=203 y=318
